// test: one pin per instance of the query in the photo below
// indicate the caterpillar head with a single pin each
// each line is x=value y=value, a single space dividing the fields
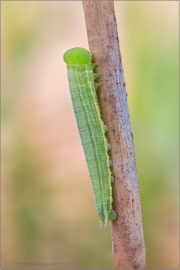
x=77 y=56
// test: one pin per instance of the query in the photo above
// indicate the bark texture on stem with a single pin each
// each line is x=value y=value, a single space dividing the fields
x=127 y=231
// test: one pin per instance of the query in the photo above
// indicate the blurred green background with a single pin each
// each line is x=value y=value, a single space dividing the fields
x=48 y=212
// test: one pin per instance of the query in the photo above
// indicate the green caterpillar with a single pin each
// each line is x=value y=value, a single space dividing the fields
x=91 y=128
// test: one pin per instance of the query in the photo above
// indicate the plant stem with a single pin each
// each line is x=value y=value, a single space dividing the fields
x=127 y=231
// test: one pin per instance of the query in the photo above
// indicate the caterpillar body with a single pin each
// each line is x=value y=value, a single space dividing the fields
x=91 y=128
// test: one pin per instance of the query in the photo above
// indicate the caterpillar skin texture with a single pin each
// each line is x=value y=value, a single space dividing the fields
x=91 y=128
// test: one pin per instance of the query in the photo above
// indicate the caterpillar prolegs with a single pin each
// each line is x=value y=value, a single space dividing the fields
x=91 y=128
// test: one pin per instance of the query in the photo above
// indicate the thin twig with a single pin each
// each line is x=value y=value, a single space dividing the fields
x=127 y=231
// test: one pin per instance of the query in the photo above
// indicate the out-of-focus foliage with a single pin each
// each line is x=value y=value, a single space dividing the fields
x=153 y=49
x=48 y=211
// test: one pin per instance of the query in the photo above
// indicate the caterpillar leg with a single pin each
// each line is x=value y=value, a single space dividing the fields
x=112 y=215
x=96 y=85
x=110 y=163
x=95 y=75
x=105 y=128
x=109 y=146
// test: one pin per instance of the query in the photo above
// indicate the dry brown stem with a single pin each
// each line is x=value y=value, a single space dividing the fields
x=127 y=231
